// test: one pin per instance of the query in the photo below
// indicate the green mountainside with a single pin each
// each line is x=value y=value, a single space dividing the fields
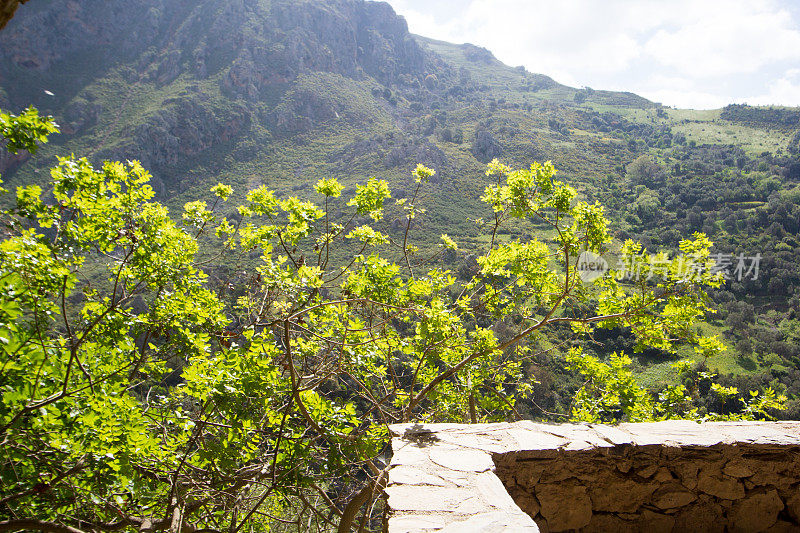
x=285 y=92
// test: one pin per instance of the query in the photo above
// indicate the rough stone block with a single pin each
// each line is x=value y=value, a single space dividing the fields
x=757 y=512
x=737 y=468
x=671 y=496
x=720 y=486
x=653 y=522
x=793 y=506
x=461 y=459
x=705 y=517
x=565 y=506
x=619 y=495
x=606 y=522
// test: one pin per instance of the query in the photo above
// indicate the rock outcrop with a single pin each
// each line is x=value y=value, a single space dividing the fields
x=47 y=33
x=485 y=147
x=265 y=44
x=290 y=65
x=347 y=37
x=183 y=130
x=80 y=115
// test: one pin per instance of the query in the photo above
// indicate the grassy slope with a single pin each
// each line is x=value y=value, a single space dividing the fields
x=516 y=106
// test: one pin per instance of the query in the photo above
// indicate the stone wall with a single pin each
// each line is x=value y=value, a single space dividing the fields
x=669 y=476
x=659 y=488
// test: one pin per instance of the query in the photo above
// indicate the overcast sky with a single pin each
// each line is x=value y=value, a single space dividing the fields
x=698 y=54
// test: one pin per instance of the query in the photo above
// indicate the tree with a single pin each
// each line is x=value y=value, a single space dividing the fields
x=137 y=392
x=643 y=171
x=647 y=205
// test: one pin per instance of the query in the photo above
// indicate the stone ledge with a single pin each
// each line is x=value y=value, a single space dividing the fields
x=447 y=477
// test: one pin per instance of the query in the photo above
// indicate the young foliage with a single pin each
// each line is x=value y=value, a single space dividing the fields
x=138 y=393
x=24 y=131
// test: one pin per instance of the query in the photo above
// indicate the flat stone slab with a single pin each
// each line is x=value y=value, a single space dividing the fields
x=442 y=476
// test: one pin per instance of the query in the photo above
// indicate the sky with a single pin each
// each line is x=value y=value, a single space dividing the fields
x=699 y=54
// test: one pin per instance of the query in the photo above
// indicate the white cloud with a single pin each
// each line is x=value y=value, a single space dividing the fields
x=684 y=99
x=727 y=38
x=542 y=35
x=677 y=91
x=720 y=49
x=419 y=22
x=783 y=91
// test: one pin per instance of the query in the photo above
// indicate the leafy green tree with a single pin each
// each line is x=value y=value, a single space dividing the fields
x=644 y=171
x=647 y=205
x=137 y=394
x=611 y=393
x=23 y=131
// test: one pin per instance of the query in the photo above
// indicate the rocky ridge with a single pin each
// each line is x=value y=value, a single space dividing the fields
x=240 y=63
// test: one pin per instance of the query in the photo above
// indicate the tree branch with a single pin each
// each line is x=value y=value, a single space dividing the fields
x=36 y=525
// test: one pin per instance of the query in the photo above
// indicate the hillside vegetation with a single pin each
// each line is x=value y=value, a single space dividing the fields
x=139 y=393
x=284 y=93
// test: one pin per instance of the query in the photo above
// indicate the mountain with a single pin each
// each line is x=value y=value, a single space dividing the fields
x=269 y=92
x=285 y=92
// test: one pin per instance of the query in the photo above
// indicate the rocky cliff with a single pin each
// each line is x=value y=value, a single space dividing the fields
x=207 y=71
